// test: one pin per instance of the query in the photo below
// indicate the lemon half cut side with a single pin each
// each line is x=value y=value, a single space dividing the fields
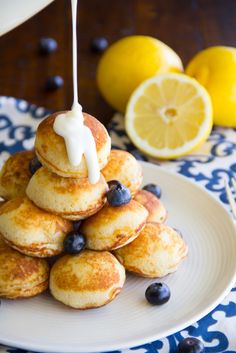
x=169 y=116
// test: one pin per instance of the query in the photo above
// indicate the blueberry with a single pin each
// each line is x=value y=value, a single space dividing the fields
x=112 y=183
x=138 y=156
x=99 y=44
x=54 y=82
x=118 y=195
x=179 y=232
x=114 y=147
x=74 y=242
x=34 y=165
x=47 y=45
x=154 y=189
x=157 y=293
x=76 y=225
x=191 y=345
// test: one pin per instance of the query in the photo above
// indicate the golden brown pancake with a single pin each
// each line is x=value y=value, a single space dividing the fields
x=51 y=151
x=114 y=227
x=21 y=276
x=122 y=166
x=30 y=230
x=15 y=175
x=2 y=242
x=2 y=203
x=157 y=251
x=154 y=206
x=70 y=198
x=88 y=280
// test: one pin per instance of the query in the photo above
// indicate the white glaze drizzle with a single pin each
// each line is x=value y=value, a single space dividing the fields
x=78 y=137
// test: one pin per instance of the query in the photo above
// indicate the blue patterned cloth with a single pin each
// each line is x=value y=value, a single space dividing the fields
x=213 y=162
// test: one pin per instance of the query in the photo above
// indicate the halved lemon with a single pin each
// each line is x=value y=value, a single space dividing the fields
x=169 y=116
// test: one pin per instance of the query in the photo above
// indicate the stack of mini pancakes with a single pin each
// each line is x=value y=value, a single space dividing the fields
x=40 y=208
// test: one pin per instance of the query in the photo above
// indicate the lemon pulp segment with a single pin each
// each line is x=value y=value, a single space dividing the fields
x=169 y=115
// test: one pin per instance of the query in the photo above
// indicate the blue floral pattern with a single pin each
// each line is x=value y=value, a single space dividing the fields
x=209 y=166
x=213 y=162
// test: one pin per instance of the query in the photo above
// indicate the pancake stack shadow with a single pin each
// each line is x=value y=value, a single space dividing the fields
x=40 y=207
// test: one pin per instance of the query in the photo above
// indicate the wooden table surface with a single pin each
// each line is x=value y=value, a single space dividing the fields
x=185 y=25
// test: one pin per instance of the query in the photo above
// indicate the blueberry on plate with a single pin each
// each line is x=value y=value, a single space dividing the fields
x=34 y=165
x=112 y=183
x=54 y=82
x=47 y=45
x=118 y=195
x=191 y=345
x=138 y=156
x=114 y=147
x=76 y=225
x=74 y=242
x=179 y=232
x=99 y=44
x=154 y=189
x=157 y=293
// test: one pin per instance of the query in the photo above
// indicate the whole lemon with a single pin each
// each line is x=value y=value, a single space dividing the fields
x=215 y=68
x=130 y=61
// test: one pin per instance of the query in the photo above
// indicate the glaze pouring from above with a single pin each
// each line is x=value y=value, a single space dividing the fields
x=78 y=138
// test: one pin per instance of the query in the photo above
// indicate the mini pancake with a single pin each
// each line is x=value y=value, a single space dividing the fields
x=157 y=251
x=70 y=198
x=30 y=230
x=2 y=242
x=122 y=166
x=51 y=150
x=155 y=208
x=88 y=280
x=114 y=227
x=21 y=276
x=15 y=175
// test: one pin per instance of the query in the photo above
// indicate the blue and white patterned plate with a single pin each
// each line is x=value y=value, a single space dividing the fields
x=205 y=277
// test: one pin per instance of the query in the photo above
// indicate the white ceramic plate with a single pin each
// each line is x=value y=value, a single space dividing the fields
x=199 y=285
x=15 y=12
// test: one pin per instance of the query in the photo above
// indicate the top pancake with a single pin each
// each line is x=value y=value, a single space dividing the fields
x=51 y=150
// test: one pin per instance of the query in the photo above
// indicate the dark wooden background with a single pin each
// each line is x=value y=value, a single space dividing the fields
x=185 y=25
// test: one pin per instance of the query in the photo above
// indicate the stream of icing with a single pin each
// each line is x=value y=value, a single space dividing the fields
x=78 y=137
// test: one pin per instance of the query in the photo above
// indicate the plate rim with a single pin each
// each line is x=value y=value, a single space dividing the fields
x=73 y=348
